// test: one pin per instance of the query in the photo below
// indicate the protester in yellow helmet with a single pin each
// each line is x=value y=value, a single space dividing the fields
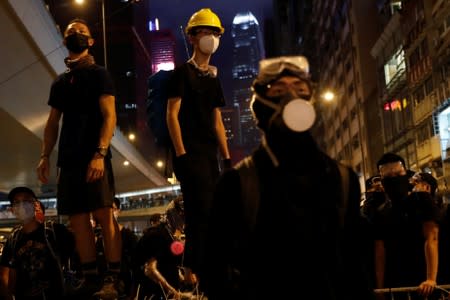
x=197 y=132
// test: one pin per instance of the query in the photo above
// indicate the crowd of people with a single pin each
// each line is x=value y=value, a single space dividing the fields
x=286 y=222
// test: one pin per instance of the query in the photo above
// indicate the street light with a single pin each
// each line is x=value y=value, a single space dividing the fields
x=330 y=96
x=81 y=2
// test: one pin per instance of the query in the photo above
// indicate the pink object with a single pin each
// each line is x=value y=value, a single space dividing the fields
x=177 y=247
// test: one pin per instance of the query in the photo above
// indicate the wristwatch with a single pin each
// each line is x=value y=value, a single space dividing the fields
x=103 y=151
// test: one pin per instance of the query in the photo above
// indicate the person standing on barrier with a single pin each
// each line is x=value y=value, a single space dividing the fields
x=285 y=220
x=197 y=131
x=83 y=96
x=405 y=228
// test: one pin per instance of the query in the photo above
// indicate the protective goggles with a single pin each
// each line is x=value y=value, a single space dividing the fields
x=271 y=68
x=392 y=169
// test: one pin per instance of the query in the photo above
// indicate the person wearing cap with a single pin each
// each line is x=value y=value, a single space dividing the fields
x=30 y=266
x=285 y=220
x=197 y=131
x=405 y=228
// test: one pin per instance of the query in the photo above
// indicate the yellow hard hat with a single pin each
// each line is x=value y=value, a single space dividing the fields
x=204 y=17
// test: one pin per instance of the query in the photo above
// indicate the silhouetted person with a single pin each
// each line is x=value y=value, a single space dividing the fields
x=84 y=97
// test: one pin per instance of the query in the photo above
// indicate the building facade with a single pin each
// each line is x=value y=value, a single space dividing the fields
x=343 y=34
x=413 y=67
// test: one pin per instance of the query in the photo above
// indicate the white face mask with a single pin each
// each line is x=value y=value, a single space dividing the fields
x=298 y=115
x=208 y=44
x=24 y=211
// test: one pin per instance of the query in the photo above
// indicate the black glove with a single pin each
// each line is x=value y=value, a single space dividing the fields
x=226 y=163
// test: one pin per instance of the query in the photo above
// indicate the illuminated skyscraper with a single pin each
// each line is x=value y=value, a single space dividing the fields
x=162 y=48
x=247 y=51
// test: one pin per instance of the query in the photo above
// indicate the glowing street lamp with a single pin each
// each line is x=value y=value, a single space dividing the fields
x=328 y=96
x=160 y=164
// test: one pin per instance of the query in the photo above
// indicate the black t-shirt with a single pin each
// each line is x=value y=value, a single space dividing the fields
x=155 y=243
x=296 y=227
x=76 y=94
x=200 y=94
x=399 y=224
x=36 y=268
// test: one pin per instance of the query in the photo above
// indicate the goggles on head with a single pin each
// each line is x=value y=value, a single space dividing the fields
x=392 y=169
x=271 y=68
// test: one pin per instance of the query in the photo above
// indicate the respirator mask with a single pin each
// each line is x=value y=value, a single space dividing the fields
x=209 y=43
x=292 y=112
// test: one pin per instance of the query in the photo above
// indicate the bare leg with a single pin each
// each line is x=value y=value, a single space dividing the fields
x=111 y=234
x=84 y=237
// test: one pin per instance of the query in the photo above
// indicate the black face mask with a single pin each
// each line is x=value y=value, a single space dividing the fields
x=396 y=187
x=77 y=42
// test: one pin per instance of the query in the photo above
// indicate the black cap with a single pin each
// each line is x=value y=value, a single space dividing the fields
x=20 y=189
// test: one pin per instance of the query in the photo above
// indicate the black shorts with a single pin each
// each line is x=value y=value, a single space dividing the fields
x=75 y=195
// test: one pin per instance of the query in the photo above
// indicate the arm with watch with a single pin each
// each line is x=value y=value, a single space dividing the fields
x=96 y=166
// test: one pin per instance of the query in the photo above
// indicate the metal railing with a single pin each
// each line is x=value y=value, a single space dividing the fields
x=409 y=291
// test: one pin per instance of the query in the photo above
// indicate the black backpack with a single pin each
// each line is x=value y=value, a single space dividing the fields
x=157 y=96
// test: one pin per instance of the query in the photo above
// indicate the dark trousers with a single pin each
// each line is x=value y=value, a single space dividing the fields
x=197 y=175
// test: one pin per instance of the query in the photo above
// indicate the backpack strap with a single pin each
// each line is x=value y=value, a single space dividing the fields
x=345 y=185
x=249 y=180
